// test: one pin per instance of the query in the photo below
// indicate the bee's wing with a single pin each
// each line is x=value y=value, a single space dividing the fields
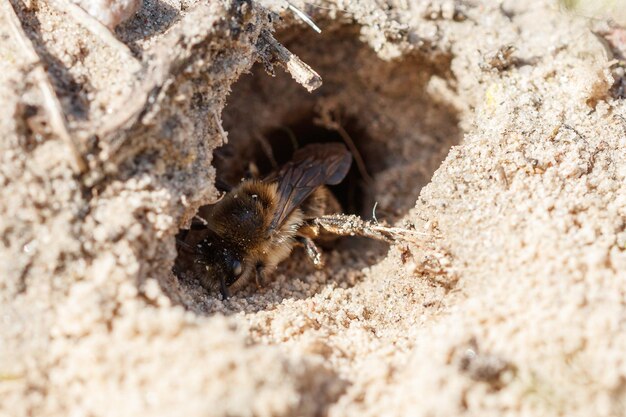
x=311 y=166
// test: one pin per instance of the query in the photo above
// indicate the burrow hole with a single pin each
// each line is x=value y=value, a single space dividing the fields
x=393 y=112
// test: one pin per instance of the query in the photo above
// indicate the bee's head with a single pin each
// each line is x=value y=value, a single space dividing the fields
x=223 y=264
x=237 y=227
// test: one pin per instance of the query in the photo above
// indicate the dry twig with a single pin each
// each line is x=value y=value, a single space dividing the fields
x=58 y=123
x=298 y=69
x=351 y=225
x=331 y=122
x=305 y=17
x=266 y=147
x=218 y=123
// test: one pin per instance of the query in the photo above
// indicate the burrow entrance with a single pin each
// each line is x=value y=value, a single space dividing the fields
x=389 y=111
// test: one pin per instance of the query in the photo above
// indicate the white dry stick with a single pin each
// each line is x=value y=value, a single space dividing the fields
x=58 y=124
x=374 y=212
x=305 y=17
x=93 y=25
x=298 y=69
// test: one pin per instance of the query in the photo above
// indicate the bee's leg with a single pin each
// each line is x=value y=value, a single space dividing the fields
x=260 y=275
x=312 y=251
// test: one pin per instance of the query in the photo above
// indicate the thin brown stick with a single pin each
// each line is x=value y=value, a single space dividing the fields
x=267 y=149
x=58 y=124
x=292 y=137
x=328 y=121
x=358 y=159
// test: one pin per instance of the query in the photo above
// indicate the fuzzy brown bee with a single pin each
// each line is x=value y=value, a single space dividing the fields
x=257 y=223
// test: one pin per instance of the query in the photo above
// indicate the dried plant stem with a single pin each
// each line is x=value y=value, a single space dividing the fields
x=328 y=121
x=267 y=150
x=305 y=17
x=218 y=123
x=351 y=225
x=298 y=69
x=58 y=124
x=358 y=159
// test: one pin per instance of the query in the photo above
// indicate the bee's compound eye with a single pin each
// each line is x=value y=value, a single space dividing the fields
x=237 y=268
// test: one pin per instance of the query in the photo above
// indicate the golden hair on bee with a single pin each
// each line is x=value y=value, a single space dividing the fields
x=247 y=208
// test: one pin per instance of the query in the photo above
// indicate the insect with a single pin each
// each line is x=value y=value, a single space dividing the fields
x=256 y=224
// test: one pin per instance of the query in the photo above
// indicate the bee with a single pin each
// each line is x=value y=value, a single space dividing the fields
x=256 y=225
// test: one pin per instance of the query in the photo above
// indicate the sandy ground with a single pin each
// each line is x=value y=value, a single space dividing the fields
x=498 y=129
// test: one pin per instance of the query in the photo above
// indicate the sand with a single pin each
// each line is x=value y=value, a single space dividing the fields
x=497 y=129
